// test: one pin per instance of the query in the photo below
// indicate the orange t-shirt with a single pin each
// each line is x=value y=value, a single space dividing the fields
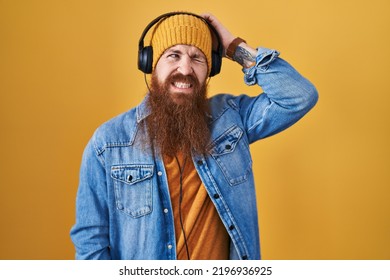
x=207 y=238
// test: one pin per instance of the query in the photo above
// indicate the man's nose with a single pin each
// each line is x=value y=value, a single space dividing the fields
x=185 y=65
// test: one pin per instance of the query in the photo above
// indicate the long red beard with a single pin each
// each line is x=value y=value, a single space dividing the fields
x=179 y=122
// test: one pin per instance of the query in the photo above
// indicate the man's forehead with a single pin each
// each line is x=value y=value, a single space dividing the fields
x=181 y=48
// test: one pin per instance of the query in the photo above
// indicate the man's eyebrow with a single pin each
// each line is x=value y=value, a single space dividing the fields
x=173 y=50
x=194 y=54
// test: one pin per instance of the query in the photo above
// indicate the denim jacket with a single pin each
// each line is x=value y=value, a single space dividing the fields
x=123 y=207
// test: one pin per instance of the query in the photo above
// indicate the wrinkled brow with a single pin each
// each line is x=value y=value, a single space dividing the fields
x=193 y=52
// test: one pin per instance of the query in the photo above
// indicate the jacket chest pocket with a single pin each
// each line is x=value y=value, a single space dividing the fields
x=133 y=188
x=232 y=155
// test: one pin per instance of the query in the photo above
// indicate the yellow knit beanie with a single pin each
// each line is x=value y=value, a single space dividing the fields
x=181 y=29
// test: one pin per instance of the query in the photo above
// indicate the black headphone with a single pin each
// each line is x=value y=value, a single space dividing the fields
x=145 y=54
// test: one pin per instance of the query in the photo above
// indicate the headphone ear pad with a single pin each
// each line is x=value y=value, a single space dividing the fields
x=216 y=63
x=145 y=59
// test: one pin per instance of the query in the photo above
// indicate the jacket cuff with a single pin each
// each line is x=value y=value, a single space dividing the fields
x=263 y=59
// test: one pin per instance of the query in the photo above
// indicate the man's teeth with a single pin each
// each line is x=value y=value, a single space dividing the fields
x=182 y=85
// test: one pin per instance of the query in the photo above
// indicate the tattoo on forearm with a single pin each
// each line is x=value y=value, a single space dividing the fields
x=243 y=56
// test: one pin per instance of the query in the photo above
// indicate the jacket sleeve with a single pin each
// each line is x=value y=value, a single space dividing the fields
x=90 y=233
x=287 y=96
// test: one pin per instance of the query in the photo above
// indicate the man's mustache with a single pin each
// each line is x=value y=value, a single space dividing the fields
x=178 y=77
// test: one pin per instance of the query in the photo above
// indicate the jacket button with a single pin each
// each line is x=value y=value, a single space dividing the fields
x=199 y=162
x=228 y=147
x=216 y=196
x=129 y=178
x=245 y=257
x=232 y=227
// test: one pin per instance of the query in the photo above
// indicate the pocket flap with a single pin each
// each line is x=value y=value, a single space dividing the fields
x=226 y=143
x=131 y=173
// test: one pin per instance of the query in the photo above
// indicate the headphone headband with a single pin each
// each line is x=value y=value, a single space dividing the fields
x=145 y=54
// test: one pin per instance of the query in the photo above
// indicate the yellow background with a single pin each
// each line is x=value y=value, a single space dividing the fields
x=323 y=185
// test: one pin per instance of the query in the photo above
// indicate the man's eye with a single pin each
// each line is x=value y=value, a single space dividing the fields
x=200 y=59
x=173 y=55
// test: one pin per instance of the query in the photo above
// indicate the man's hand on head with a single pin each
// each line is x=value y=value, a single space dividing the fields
x=242 y=53
x=224 y=33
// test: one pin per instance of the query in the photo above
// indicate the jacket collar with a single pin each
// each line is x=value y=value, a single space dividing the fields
x=143 y=110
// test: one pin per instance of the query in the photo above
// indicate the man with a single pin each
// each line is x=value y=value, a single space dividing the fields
x=172 y=178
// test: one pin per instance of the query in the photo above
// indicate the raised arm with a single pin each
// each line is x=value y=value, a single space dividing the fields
x=287 y=95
